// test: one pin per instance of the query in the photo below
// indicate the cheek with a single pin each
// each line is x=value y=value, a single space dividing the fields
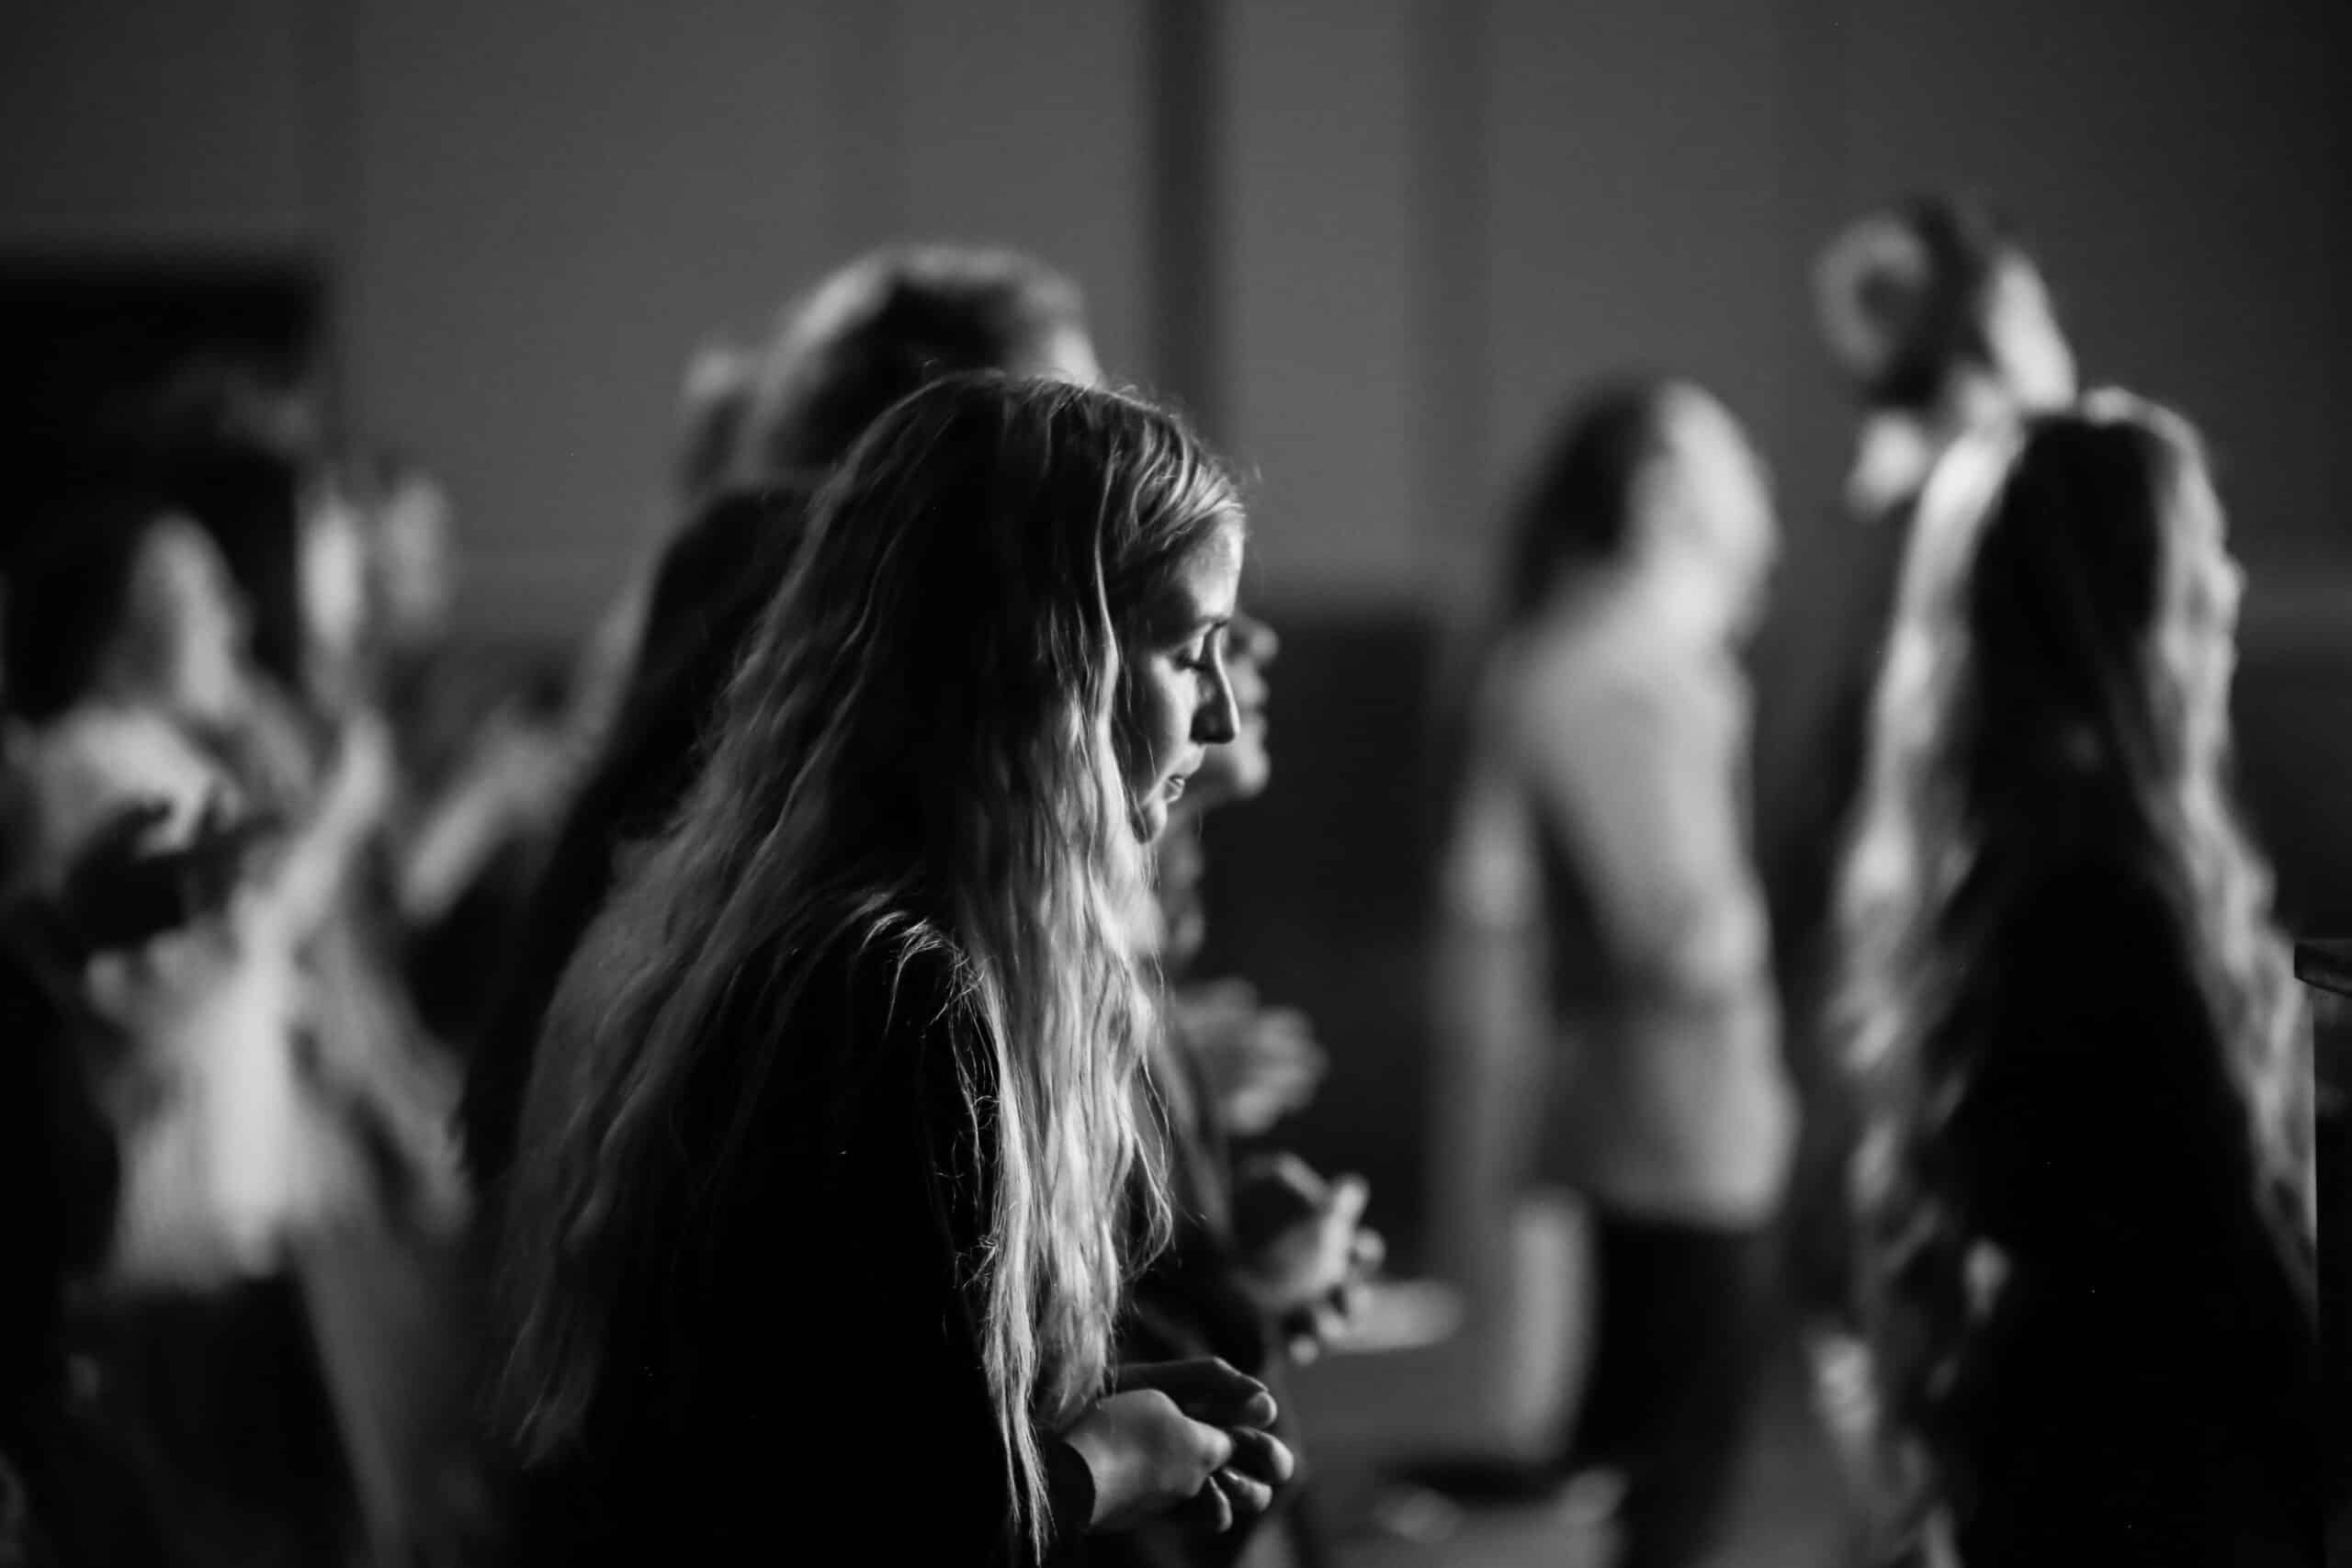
x=1163 y=722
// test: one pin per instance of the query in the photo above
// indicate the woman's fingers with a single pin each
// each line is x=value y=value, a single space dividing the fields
x=1244 y=1498
x=1259 y=1456
x=1206 y=1390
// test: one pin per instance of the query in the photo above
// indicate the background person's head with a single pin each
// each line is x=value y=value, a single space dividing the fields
x=124 y=597
x=1647 y=477
x=2057 y=687
x=2066 y=621
x=890 y=322
x=411 y=554
x=296 y=544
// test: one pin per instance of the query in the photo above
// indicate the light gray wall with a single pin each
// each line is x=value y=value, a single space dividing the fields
x=1436 y=216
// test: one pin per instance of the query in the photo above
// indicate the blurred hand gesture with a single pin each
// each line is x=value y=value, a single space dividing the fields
x=1305 y=1253
x=124 y=889
x=1261 y=1063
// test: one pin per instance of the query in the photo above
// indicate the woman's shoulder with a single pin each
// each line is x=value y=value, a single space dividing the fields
x=887 y=988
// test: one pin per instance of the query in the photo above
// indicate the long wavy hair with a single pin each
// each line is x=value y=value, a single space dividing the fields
x=921 y=748
x=2037 y=680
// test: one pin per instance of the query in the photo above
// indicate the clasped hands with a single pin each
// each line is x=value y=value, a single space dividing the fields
x=1186 y=1440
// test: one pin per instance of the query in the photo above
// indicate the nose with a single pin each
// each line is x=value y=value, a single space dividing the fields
x=1218 y=719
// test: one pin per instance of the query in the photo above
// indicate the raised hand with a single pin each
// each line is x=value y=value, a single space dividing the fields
x=1305 y=1252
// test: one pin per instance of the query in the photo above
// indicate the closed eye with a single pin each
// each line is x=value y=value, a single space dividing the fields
x=1202 y=656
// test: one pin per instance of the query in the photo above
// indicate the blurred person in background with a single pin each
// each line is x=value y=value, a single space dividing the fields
x=1601 y=865
x=875 y=332
x=247 y=1129
x=2085 y=1181
x=485 y=764
x=1938 y=318
x=2084 y=1184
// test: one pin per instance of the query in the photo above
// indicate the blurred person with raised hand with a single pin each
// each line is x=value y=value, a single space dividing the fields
x=2083 y=1189
x=1600 y=858
x=242 y=1140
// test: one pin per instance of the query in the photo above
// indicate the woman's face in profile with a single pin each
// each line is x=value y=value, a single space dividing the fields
x=1181 y=693
x=1728 y=526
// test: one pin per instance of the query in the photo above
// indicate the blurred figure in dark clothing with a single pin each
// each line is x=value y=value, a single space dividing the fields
x=2084 y=1186
x=74 y=1491
x=876 y=331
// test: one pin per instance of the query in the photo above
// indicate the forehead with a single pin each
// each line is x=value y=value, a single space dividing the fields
x=1204 y=584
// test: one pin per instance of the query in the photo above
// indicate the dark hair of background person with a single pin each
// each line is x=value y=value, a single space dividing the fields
x=881 y=329
x=69 y=593
x=1572 y=514
x=1575 y=512
x=892 y=321
x=251 y=501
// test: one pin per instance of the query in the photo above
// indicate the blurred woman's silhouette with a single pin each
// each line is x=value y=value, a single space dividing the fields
x=829 y=1152
x=2085 y=1189
x=1603 y=839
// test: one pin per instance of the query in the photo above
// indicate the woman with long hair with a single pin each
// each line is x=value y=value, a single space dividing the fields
x=1607 y=951
x=1935 y=312
x=824 y=1193
x=2084 y=1186
x=876 y=330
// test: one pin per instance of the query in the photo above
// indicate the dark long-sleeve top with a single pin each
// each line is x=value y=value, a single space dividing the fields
x=800 y=1379
x=2146 y=1389
x=708 y=592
